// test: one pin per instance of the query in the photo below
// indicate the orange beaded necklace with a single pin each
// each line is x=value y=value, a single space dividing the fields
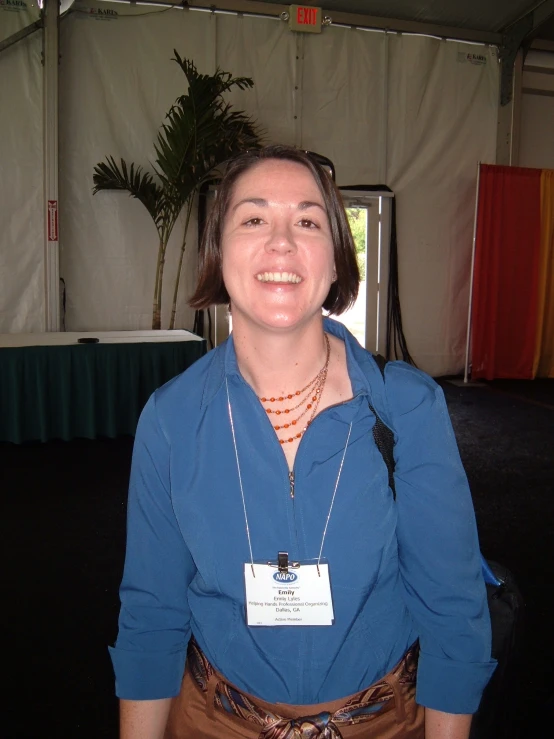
x=310 y=400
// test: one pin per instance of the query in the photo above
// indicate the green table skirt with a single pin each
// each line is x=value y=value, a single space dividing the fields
x=84 y=390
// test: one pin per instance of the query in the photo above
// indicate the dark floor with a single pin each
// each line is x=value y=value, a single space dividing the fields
x=63 y=533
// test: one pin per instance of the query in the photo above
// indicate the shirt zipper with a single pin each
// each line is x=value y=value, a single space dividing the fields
x=291 y=481
x=329 y=407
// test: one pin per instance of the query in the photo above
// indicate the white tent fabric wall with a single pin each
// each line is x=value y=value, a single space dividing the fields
x=442 y=117
x=263 y=49
x=331 y=111
x=117 y=82
x=410 y=112
x=22 y=300
x=342 y=102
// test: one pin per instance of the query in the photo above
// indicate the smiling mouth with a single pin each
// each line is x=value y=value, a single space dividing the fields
x=289 y=277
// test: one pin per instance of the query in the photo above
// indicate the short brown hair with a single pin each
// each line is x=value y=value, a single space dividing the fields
x=210 y=289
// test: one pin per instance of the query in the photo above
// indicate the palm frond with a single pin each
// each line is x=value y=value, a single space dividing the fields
x=138 y=183
x=200 y=131
x=220 y=81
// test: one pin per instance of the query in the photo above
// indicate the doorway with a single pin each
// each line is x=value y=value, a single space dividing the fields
x=369 y=214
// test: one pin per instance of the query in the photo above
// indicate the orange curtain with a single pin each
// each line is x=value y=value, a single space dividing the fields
x=543 y=365
x=506 y=273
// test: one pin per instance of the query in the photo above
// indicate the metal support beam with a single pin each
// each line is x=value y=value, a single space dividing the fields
x=520 y=34
x=20 y=35
x=50 y=60
x=511 y=44
x=544 y=12
x=509 y=119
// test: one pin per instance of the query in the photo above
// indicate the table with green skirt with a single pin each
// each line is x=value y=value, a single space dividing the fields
x=52 y=387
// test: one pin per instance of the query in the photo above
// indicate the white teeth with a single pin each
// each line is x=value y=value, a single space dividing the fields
x=279 y=277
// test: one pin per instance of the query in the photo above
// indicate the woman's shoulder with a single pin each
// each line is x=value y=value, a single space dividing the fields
x=395 y=387
x=408 y=387
x=400 y=387
x=412 y=398
x=183 y=396
x=404 y=376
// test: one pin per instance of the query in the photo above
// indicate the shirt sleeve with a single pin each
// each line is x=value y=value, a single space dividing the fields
x=439 y=556
x=154 y=621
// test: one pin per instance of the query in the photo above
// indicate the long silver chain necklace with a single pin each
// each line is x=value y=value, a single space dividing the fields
x=230 y=410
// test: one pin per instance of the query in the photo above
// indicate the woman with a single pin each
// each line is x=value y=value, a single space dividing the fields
x=262 y=533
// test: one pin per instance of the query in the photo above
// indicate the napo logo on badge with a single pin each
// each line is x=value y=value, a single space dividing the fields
x=285 y=577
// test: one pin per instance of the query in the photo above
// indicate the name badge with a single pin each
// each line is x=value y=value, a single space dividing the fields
x=299 y=597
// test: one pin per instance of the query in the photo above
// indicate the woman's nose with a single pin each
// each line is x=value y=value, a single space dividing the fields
x=281 y=240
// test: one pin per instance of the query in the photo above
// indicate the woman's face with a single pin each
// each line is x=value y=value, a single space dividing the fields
x=277 y=250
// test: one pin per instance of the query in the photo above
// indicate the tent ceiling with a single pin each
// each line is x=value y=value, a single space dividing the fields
x=546 y=31
x=492 y=16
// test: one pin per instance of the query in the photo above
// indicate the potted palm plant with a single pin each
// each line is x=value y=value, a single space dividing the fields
x=200 y=132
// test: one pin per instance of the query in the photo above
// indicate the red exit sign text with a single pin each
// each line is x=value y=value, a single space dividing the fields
x=305 y=18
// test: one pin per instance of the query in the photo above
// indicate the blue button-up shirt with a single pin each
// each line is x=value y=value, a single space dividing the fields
x=400 y=571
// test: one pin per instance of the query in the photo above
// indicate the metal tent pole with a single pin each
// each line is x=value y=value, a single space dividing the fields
x=50 y=128
x=469 y=311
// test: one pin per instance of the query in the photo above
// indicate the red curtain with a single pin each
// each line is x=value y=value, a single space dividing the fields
x=505 y=277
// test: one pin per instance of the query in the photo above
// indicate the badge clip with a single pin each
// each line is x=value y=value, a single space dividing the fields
x=283 y=563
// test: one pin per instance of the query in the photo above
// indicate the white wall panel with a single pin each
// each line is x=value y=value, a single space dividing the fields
x=117 y=82
x=442 y=121
x=342 y=102
x=264 y=50
x=22 y=297
x=536 y=146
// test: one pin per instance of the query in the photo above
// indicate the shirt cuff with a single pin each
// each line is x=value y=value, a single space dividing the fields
x=450 y=686
x=147 y=675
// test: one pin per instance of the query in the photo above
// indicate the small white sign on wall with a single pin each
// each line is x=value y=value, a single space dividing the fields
x=471 y=58
x=14 y=6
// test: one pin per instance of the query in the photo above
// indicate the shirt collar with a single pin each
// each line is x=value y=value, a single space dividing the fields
x=359 y=362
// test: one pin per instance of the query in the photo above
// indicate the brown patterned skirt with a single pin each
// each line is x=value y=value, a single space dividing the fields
x=210 y=707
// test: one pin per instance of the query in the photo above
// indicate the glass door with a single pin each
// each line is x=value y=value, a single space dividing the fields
x=369 y=217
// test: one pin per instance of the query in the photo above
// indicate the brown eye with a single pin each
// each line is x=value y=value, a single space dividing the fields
x=253 y=222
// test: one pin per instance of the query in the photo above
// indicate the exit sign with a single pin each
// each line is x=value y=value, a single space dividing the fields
x=305 y=18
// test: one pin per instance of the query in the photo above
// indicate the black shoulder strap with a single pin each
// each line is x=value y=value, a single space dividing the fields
x=384 y=438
